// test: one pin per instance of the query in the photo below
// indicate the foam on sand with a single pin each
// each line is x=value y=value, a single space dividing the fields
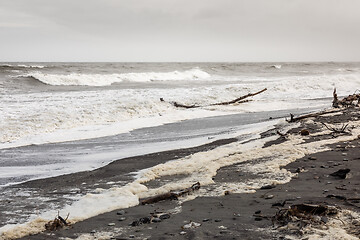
x=200 y=167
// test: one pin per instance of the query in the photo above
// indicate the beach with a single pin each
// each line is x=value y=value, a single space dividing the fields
x=233 y=216
x=245 y=156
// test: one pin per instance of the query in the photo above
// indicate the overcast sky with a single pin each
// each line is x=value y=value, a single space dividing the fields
x=179 y=30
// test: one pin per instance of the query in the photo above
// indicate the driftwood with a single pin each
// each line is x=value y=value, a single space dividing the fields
x=336 y=130
x=57 y=223
x=299 y=215
x=237 y=100
x=294 y=119
x=172 y=195
x=351 y=100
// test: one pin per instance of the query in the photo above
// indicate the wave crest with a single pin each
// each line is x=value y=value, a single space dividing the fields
x=76 y=79
x=20 y=66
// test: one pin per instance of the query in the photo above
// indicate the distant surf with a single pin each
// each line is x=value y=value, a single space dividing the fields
x=80 y=79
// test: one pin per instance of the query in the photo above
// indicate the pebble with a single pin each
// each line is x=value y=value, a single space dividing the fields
x=312 y=166
x=111 y=224
x=121 y=212
x=217 y=220
x=156 y=220
x=269 y=196
x=312 y=158
x=93 y=231
x=182 y=233
x=325 y=190
x=345 y=159
x=132 y=236
x=258 y=219
x=206 y=220
x=164 y=216
x=329 y=183
x=222 y=227
x=258 y=212
x=316 y=177
x=344 y=154
x=122 y=219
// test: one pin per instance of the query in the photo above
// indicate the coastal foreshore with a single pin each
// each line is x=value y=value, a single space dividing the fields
x=239 y=215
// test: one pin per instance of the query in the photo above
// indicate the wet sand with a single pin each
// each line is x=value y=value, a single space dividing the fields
x=230 y=216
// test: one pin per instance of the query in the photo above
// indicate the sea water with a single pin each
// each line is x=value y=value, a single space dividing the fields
x=58 y=118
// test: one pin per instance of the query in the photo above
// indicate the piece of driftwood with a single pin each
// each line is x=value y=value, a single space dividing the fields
x=58 y=223
x=294 y=119
x=336 y=130
x=172 y=195
x=237 y=100
x=349 y=101
x=298 y=216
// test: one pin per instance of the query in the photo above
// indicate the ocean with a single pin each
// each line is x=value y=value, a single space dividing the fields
x=62 y=118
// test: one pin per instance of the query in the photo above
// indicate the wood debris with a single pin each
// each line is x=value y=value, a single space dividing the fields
x=298 y=216
x=172 y=195
x=349 y=101
x=58 y=223
x=235 y=101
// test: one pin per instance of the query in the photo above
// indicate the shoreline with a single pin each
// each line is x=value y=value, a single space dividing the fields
x=230 y=216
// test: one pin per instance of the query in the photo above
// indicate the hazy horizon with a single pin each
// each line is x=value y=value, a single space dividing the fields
x=179 y=31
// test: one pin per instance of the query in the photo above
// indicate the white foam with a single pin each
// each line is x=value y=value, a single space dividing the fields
x=200 y=167
x=77 y=79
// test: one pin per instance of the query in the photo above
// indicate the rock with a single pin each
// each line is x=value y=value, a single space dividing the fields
x=182 y=233
x=269 y=196
x=206 y=220
x=222 y=227
x=111 y=224
x=227 y=192
x=324 y=219
x=344 y=154
x=267 y=187
x=340 y=173
x=93 y=231
x=316 y=177
x=258 y=212
x=312 y=158
x=191 y=225
x=304 y=132
x=345 y=159
x=122 y=219
x=132 y=236
x=164 y=216
x=258 y=218
x=156 y=220
x=121 y=212
x=217 y=220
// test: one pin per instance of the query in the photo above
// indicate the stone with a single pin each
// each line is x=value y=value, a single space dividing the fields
x=93 y=231
x=121 y=212
x=258 y=212
x=341 y=173
x=156 y=220
x=312 y=158
x=267 y=187
x=132 y=236
x=164 y=216
x=122 y=219
x=206 y=220
x=304 y=132
x=111 y=224
x=182 y=233
x=217 y=220
x=269 y=196
x=258 y=219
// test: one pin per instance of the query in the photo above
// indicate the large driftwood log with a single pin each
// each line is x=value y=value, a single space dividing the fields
x=237 y=100
x=172 y=195
x=294 y=119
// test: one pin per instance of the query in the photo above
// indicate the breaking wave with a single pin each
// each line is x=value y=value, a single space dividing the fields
x=76 y=79
x=19 y=66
